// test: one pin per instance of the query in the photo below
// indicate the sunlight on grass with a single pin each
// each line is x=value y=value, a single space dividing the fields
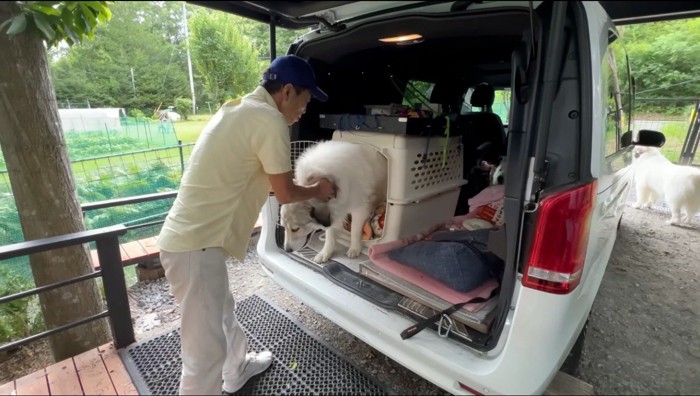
x=188 y=131
x=675 y=133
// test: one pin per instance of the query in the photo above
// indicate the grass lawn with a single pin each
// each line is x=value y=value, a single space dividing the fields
x=675 y=133
x=188 y=131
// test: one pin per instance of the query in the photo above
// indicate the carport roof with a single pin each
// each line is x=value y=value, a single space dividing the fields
x=300 y=14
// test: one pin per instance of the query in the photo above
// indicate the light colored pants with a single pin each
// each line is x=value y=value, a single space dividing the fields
x=213 y=343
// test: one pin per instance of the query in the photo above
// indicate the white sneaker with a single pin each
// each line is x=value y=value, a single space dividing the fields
x=256 y=363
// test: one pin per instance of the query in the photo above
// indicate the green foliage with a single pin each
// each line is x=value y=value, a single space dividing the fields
x=259 y=34
x=156 y=177
x=84 y=145
x=148 y=37
x=18 y=319
x=184 y=107
x=59 y=21
x=226 y=60
x=144 y=37
x=665 y=58
x=137 y=113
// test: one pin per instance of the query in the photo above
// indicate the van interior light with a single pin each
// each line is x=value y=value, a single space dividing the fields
x=403 y=39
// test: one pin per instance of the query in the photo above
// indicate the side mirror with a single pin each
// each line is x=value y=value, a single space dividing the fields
x=645 y=137
x=650 y=138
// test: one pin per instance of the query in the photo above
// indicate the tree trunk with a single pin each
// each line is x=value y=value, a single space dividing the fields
x=32 y=142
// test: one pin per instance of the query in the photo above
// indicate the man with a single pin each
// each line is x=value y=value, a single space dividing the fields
x=242 y=151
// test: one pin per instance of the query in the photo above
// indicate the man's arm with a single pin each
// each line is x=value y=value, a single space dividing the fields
x=287 y=192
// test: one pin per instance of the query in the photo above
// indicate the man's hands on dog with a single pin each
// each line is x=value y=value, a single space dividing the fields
x=326 y=189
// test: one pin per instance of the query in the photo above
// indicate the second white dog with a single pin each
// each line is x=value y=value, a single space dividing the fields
x=656 y=179
x=359 y=172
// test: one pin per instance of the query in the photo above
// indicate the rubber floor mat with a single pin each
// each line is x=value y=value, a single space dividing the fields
x=303 y=363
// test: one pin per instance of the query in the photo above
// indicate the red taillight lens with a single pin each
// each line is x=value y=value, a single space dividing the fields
x=472 y=390
x=561 y=236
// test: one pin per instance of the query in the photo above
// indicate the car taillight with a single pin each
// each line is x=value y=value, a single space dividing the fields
x=471 y=390
x=561 y=237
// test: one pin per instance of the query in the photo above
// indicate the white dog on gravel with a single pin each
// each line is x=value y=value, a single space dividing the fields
x=658 y=179
x=359 y=172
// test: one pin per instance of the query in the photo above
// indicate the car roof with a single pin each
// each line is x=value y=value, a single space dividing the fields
x=303 y=14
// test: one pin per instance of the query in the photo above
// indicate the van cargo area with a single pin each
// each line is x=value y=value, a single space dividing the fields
x=441 y=148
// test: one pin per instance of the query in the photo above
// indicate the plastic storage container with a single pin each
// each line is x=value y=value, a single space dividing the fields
x=425 y=176
x=419 y=167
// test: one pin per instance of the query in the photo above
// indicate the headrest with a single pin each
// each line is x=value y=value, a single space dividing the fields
x=448 y=93
x=483 y=95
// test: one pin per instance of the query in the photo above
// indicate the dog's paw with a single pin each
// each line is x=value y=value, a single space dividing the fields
x=322 y=257
x=354 y=252
x=674 y=222
x=636 y=205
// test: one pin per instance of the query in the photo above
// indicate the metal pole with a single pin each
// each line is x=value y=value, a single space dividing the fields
x=133 y=84
x=182 y=156
x=115 y=291
x=273 y=42
x=189 y=60
x=692 y=137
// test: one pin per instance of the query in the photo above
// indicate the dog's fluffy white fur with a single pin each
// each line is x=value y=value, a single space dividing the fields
x=359 y=172
x=658 y=179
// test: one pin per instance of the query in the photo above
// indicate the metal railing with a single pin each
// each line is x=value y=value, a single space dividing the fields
x=118 y=312
x=111 y=270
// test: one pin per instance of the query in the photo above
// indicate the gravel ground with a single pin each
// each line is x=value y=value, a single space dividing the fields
x=642 y=336
x=643 y=330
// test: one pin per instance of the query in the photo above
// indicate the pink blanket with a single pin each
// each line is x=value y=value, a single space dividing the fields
x=379 y=255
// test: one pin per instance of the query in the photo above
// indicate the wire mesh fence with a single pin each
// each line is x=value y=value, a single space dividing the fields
x=104 y=178
x=673 y=117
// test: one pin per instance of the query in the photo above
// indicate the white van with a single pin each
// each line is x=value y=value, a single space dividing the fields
x=560 y=78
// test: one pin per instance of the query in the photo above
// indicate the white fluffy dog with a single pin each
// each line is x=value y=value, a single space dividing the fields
x=656 y=179
x=359 y=172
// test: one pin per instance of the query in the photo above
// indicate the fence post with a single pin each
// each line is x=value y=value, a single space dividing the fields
x=182 y=157
x=108 y=252
x=109 y=141
x=690 y=145
x=147 y=133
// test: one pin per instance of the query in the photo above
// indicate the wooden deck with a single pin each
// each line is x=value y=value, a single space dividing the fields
x=99 y=371
x=144 y=249
x=132 y=252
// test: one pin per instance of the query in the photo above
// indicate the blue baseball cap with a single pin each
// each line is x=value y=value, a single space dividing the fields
x=291 y=69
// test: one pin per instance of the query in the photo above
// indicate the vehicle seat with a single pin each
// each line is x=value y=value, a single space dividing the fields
x=484 y=139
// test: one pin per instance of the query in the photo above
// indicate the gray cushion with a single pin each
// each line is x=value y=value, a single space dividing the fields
x=458 y=259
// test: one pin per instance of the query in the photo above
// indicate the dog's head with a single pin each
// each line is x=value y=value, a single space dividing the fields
x=640 y=151
x=299 y=220
x=497 y=174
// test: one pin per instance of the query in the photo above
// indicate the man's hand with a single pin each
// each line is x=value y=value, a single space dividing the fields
x=287 y=191
x=326 y=189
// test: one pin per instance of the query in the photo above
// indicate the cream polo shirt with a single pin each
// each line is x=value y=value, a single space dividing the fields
x=225 y=183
